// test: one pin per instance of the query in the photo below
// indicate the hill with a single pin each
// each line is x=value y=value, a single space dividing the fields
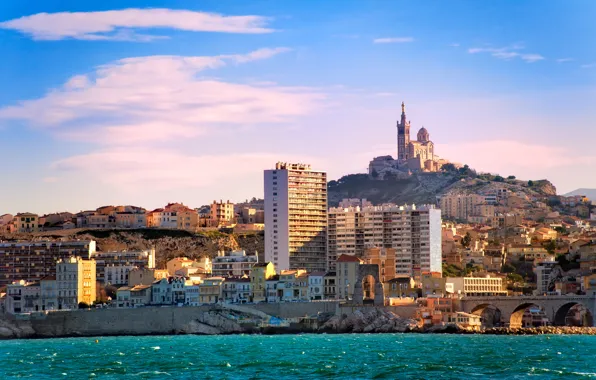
x=590 y=193
x=168 y=243
x=425 y=187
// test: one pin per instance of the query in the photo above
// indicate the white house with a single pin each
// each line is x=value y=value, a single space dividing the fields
x=316 y=285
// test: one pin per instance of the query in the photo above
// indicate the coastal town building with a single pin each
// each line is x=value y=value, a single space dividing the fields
x=33 y=260
x=183 y=266
x=233 y=264
x=222 y=213
x=296 y=217
x=237 y=290
x=413 y=232
x=210 y=291
x=475 y=286
x=145 y=276
x=114 y=266
x=75 y=282
x=316 y=286
x=22 y=297
x=49 y=293
x=330 y=291
x=543 y=276
x=25 y=222
x=347 y=275
x=260 y=273
x=464 y=206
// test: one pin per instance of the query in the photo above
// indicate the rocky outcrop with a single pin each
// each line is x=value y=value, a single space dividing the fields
x=372 y=320
x=15 y=330
x=211 y=323
x=550 y=330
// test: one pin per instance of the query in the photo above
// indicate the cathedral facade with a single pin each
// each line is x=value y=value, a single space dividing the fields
x=416 y=155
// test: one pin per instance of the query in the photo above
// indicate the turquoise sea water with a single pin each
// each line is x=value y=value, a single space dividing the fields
x=357 y=356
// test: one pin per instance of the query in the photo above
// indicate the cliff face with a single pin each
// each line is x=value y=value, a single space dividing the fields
x=168 y=243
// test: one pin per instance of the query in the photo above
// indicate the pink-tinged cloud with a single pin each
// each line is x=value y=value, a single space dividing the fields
x=157 y=98
x=165 y=169
x=119 y=25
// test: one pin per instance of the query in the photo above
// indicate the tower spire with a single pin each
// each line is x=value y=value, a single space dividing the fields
x=403 y=108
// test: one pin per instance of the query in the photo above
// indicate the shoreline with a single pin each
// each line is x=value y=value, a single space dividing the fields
x=271 y=331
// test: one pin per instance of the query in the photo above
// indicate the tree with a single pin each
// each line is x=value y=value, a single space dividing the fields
x=466 y=240
x=551 y=246
x=507 y=268
x=511 y=177
x=530 y=183
x=83 y=305
x=515 y=278
x=561 y=230
x=374 y=173
x=449 y=168
x=498 y=178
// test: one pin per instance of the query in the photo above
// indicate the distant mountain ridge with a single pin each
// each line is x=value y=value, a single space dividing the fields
x=590 y=193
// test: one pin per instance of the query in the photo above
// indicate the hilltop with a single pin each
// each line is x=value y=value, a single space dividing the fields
x=589 y=193
x=425 y=187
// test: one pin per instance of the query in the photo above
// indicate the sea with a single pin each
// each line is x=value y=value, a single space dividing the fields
x=351 y=356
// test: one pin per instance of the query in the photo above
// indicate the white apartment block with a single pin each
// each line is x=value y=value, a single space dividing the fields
x=121 y=262
x=296 y=217
x=475 y=286
x=414 y=232
x=233 y=264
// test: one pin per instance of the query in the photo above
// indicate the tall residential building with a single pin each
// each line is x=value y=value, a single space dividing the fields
x=296 y=217
x=34 y=260
x=76 y=282
x=413 y=232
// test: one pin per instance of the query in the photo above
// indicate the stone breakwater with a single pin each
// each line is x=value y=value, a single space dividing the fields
x=374 y=320
x=543 y=330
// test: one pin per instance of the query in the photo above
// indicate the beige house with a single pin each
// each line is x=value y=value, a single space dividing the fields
x=211 y=290
x=25 y=222
x=145 y=276
x=261 y=272
x=347 y=268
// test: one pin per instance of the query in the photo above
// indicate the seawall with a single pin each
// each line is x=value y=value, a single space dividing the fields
x=208 y=319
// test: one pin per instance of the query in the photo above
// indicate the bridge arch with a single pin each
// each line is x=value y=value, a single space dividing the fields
x=491 y=314
x=516 y=318
x=562 y=312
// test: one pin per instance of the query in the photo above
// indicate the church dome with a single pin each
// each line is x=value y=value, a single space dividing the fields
x=423 y=135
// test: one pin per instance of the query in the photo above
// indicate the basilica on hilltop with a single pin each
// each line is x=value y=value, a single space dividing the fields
x=412 y=155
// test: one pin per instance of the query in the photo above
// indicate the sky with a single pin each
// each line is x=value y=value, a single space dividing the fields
x=150 y=102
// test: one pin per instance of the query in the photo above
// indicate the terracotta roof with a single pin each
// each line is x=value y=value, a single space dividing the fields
x=348 y=259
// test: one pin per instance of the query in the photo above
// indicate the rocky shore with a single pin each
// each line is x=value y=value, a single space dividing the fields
x=543 y=330
x=375 y=320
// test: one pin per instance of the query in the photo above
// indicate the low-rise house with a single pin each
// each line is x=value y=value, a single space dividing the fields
x=400 y=287
x=22 y=297
x=260 y=273
x=237 y=290
x=432 y=283
x=465 y=320
x=292 y=285
x=25 y=222
x=191 y=294
x=49 y=293
x=135 y=296
x=330 y=289
x=161 y=292
x=271 y=290
x=347 y=274
x=316 y=286
x=210 y=291
x=146 y=276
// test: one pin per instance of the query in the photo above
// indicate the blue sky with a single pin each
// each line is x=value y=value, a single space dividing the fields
x=148 y=102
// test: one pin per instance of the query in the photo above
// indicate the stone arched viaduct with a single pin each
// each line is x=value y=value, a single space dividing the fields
x=512 y=308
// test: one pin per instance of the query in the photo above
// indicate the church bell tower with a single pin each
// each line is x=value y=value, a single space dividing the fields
x=403 y=135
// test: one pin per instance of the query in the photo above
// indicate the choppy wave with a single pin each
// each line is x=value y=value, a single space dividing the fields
x=353 y=356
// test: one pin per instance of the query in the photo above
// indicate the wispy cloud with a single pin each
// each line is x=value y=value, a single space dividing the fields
x=119 y=25
x=393 y=40
x=160 y=98
x=508 y=53
x=561 y=60
x=454 y=45
x=588 y=65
